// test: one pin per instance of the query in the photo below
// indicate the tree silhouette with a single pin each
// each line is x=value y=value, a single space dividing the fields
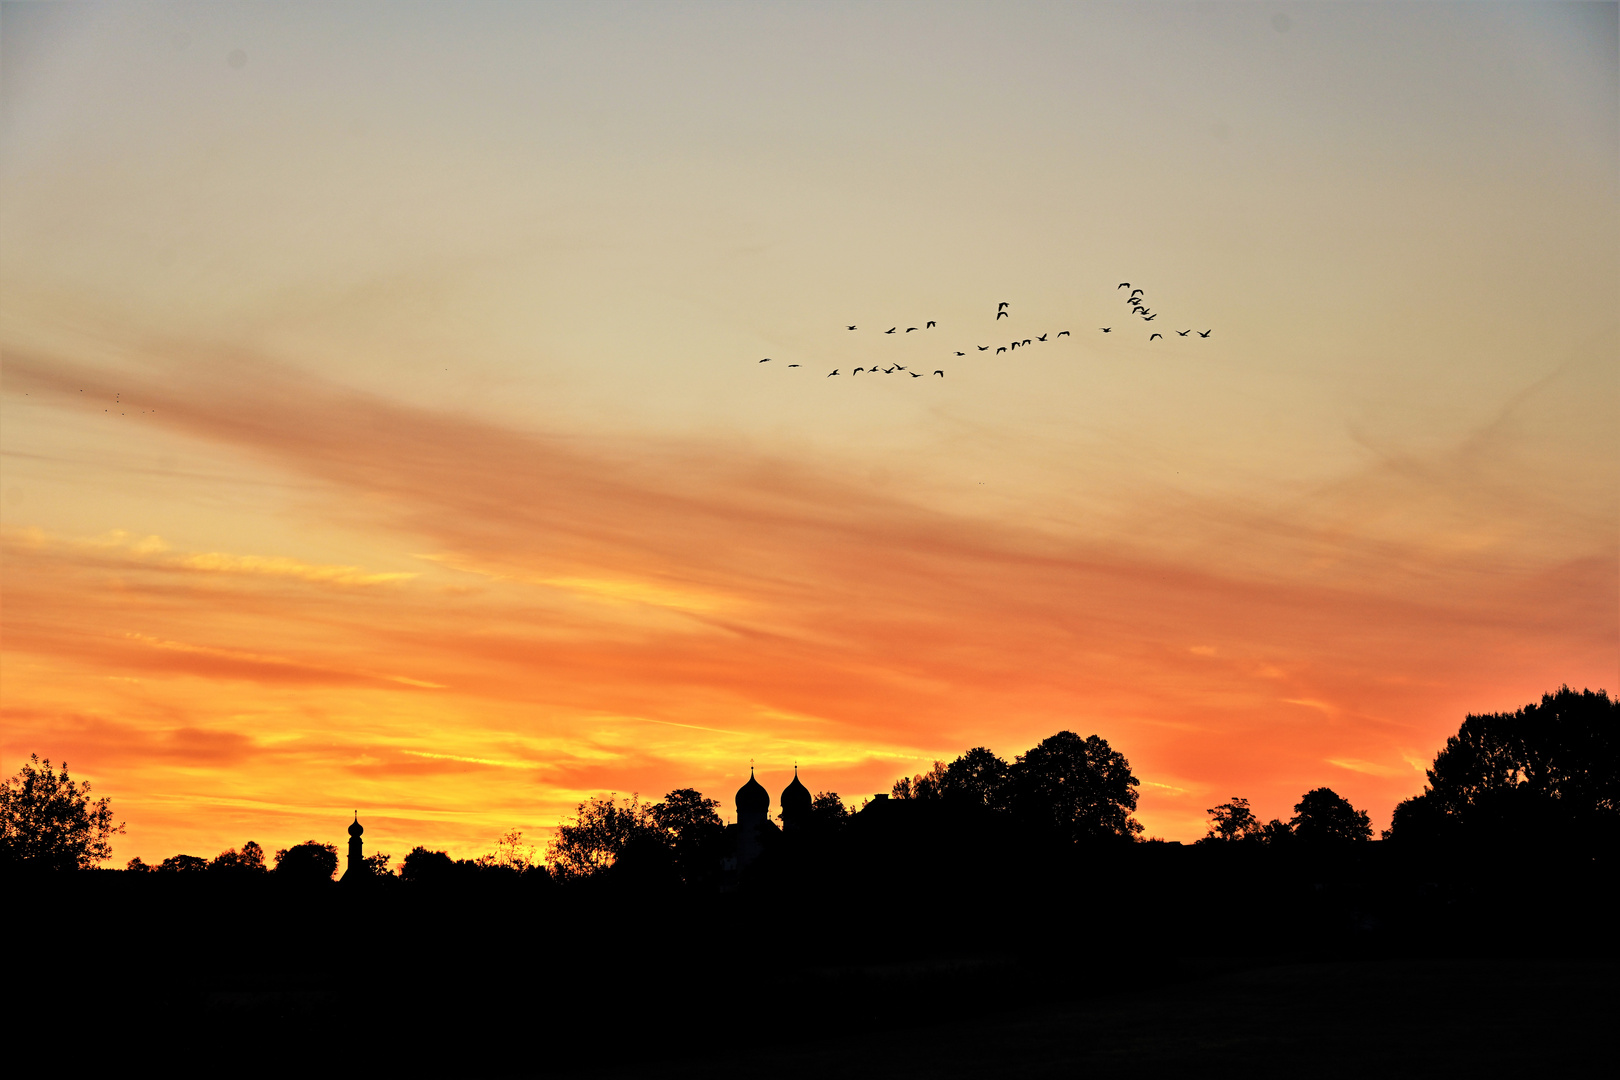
x=1548 y=768
x=47 y=821
x=691 y=828
x=309 y=861
x=1232 y=821
x=424 y=865
x=1276 y=831
x=182 y=864
x=1080 y=789
x=685 y=816
x=511 y=853
x=978 y=777
x=249 y=860
x=1323 y=817
x=828 y=814
x=602 y=829
x=926 y=786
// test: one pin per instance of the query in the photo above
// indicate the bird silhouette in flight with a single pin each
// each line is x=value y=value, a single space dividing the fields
x=961 y=354
x=857 y=371
x=930 y=324
x=1204 y=333
x=1152 y=336
x=1063 y=333
x=1149 y=318
x=1136 y=292
x=891 y=329
x=1106 y=329
x=888 y=371
x=915 y=374
x=1002 y=315
x=1014 y=345
x=1124 y=285
x=766 y=360
x=909 y=329
x=852 y=328
x=831 y=373
x=1000 y=351
x=1026 y=341
x=941 y=374
x=900 y=367
x=793 y=365
x=1041 y=338
x=1182 y=333
x=1001 y=305
x=982 y=348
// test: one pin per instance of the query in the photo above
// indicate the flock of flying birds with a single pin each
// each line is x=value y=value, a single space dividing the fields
x=1136 y=300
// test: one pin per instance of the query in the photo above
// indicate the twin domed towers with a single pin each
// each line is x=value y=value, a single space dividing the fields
x=754 y=814
x=753 y=822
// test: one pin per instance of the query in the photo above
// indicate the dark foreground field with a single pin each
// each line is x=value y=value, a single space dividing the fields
x=1123 y=962
x=1377 y=1018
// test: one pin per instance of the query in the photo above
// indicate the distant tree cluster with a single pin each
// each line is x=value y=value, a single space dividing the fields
x=1548 y=773
x=1547 y=770
x=513 y=857
x=314 y=862
x=1322 y=817
x=683 y=832
x=309 y=861
x=1073 y=788
x=249 y=860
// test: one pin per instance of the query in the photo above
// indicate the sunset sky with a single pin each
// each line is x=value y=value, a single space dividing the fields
x=384 y=427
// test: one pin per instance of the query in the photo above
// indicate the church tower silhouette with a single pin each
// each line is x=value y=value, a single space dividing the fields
x=753 y=817
x=795 y=805
x=357 y=859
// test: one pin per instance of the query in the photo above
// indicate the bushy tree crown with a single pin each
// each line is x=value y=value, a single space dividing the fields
x=47 y=821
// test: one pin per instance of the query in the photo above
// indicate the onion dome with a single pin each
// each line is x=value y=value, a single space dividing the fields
x=356 y=829
x=752 y=798
x=795 y=797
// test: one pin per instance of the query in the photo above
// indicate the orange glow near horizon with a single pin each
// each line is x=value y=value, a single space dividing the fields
x=547 y=649
x=385 y=427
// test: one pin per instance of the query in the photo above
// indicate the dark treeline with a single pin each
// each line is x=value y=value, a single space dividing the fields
x=979 y=885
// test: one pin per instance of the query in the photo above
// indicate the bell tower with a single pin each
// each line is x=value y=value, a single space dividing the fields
x=753 y=814
x=357 y=859
x=796 y=803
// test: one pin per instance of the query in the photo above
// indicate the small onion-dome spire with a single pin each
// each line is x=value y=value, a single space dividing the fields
x=752 y=798
x=795 y=797
x=356 y=829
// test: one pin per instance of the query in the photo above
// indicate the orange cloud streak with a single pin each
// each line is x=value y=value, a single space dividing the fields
x=640 y=617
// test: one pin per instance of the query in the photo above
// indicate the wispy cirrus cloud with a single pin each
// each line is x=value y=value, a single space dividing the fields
x=219 y=563
x=155 y=551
